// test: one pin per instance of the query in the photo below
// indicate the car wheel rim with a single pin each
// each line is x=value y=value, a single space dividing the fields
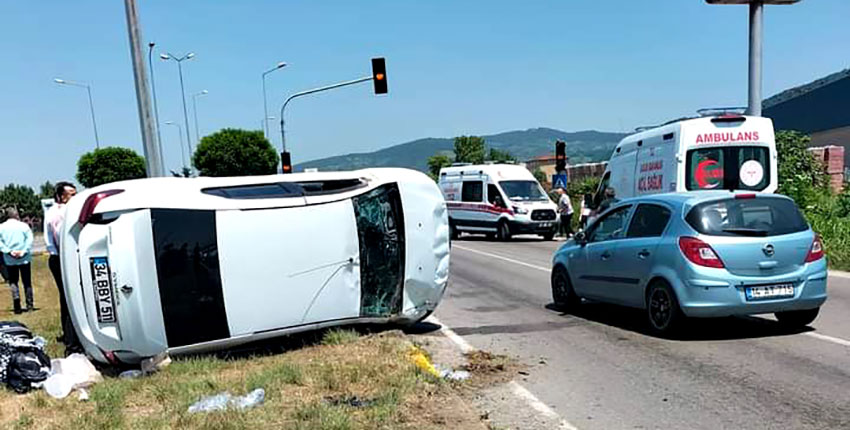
x=660 y=308
x=560 y=286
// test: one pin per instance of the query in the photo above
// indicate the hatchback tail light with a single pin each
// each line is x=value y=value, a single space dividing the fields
x=91 y=203
x=699 y=252
x=816 y=251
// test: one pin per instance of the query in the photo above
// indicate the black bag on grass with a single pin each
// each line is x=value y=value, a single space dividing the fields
x=16 y=329
x=23 y=361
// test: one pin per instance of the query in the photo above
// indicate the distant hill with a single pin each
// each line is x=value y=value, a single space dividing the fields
x=582 y=147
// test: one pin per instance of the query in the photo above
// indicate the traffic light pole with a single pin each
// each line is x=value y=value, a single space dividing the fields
x=313 y=91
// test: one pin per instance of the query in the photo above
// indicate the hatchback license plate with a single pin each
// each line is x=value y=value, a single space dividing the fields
x=770 y=292
x=101 y=279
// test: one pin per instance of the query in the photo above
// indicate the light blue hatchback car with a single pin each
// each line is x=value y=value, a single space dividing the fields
x=706 y=254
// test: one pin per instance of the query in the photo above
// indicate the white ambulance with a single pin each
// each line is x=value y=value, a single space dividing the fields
x=498 y=200
x=725 y=151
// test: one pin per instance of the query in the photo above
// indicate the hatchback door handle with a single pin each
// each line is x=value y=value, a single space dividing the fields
x=606 y=255
x=643 y=254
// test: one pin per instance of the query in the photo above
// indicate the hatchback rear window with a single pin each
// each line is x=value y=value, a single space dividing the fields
x=760 y=216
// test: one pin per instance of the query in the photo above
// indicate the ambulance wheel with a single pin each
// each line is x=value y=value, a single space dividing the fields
x=504 y=231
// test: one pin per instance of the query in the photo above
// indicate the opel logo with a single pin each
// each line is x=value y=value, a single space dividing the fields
x=768 y=250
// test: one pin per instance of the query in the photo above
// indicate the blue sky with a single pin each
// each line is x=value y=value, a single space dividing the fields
x=471 y=67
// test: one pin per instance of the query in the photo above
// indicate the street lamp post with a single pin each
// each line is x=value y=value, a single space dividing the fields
x=755 y=55
x=180 y=137
x=195 y=109
x=179 y=60
x=91 y=104
x=265 y=101
x=153 y=94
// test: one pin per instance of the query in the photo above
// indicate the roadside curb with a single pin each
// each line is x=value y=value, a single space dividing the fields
x=839 y=274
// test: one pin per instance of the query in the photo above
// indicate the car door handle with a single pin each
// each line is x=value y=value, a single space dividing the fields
x=605 y=255
x=643 y=254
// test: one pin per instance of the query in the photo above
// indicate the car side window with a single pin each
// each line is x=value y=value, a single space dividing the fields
x=473 y=191
x=611 y=226
x=493 y=196
x=648 y=221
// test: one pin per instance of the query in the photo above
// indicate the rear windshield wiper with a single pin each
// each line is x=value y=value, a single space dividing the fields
x=746 y=231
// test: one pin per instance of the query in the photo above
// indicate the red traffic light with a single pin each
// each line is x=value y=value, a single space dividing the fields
x=285 y=162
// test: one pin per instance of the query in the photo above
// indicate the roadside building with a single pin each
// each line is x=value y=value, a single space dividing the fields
x=820 y=109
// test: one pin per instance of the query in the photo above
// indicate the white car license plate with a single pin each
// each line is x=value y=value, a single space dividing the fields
x=101 y=278
x=770 y=292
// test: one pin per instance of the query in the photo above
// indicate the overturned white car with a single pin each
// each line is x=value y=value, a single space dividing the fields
x=190 y=265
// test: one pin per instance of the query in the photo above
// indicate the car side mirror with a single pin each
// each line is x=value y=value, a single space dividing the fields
x=581 y=238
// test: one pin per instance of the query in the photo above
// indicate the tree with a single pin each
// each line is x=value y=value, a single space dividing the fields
x=540 y=176
x=499 y=156
x=46 y=190
x=235 y=152
x=22 y=198
x=110 y=164
x=469 y=149
x=184 y=172
x=437 y=162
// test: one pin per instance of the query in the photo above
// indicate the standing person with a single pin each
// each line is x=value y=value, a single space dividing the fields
x=53 y=220
x=584 y=213
x=16 y=246
x=565 y=208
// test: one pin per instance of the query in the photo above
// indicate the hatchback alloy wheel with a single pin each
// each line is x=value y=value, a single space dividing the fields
x=662 y=308
x=563 y=294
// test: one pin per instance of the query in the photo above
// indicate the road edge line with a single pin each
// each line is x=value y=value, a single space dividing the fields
x=835 y=340
x=510 y=260
x=533 y=401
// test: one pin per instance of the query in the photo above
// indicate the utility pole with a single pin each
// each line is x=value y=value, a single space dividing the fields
x=153 y=157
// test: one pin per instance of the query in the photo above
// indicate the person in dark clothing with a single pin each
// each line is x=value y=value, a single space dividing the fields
x=53 y=220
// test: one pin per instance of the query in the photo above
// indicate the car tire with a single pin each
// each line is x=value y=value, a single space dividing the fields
x=548 y=236
x=797 y=319
x=565 y=298
x=504 y=231
x=455 y=234
x=662 y=309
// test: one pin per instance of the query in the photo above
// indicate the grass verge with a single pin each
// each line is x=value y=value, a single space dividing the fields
x=341 y=381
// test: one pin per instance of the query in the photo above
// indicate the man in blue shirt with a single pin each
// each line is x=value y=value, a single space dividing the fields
x=16 y=246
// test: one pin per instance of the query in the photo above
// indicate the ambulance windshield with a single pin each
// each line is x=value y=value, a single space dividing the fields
x=523 y=190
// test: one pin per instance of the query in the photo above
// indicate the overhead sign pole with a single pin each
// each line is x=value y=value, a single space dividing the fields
x=754 y=96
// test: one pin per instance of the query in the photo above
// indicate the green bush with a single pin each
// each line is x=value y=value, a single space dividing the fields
x=802 y=178
x=235 y=152
x=110 y=164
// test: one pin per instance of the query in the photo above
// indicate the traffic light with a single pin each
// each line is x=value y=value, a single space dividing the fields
x=379 y=75
x=560 y=156
x=285 y=162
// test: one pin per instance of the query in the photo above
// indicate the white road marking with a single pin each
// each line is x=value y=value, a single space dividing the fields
x=510 y=260
x=516 y=388
x=828 y=338
x=539 y=406
x=464 y=346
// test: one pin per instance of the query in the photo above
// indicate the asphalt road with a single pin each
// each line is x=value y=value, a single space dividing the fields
x=599 y=369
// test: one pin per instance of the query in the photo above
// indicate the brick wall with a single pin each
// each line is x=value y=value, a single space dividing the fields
x=832 y=158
